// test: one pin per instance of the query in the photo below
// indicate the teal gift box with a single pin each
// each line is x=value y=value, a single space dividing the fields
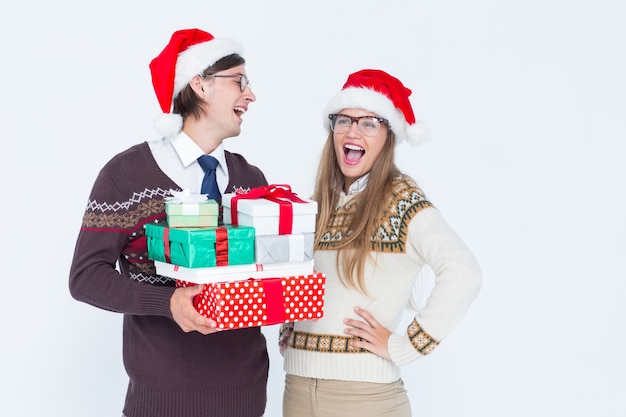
x=201 y=247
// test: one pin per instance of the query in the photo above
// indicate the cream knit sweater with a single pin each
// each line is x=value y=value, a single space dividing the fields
x=412 y=234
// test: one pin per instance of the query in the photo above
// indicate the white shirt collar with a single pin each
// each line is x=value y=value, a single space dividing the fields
x=357 y=186
x=188 y=151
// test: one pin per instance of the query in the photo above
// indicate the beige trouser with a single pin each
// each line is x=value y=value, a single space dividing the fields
x=309 y=397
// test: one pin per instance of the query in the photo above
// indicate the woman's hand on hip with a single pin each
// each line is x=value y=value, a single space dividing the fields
x=374 y=335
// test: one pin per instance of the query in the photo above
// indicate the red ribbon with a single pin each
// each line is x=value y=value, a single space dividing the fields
x=274 y=300
x=166 y=244
x=221 y=246
x=278 y=193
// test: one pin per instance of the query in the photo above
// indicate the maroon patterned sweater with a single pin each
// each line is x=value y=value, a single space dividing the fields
x=172 y=373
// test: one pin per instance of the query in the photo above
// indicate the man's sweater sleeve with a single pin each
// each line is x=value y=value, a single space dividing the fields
x=102 y=239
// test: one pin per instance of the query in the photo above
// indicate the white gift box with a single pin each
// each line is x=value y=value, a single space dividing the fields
x=264 y=215
x=297 y=247
x=212 y=274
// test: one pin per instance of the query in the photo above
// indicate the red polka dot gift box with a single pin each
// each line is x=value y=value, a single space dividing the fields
x=260 y=302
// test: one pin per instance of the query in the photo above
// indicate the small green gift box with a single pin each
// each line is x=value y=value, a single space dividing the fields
x=195 y=214
x=201 y=247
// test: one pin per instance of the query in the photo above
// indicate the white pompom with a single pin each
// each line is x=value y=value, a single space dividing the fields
x=168 y=124
x=417 y=133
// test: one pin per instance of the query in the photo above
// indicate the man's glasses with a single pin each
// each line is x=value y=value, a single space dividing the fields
x=243 y=80
x=367 y=125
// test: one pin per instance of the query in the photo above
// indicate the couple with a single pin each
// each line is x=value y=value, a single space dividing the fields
x=375 y=231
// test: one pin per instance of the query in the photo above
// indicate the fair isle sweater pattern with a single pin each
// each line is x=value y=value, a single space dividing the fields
x=404 y=202
x=110 y=270
x=129 y=217
x=411 y=234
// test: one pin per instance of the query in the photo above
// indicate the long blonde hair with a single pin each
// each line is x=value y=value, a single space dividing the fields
x=354 y=249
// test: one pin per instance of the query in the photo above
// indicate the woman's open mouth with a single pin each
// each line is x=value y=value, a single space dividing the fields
x=352 y=154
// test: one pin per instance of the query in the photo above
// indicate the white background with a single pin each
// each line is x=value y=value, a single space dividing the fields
x=527 y=105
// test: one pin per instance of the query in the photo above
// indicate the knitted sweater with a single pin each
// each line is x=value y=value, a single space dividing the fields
x=412 y=233
x=172 y=373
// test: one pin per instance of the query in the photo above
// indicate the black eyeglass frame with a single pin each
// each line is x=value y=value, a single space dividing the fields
x=243 y=79
x=332 y=116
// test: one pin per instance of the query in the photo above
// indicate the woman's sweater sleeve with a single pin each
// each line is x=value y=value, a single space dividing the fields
x=457 y=283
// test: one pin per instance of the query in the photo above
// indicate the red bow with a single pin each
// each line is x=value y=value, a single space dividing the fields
x=278 y=193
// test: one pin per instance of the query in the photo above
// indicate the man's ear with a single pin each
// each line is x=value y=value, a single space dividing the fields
x=197 y=85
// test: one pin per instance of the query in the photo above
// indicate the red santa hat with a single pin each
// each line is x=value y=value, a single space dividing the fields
x=189 y=52
x=385 y=95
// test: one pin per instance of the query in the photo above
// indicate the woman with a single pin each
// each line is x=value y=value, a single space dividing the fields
x=375 y=231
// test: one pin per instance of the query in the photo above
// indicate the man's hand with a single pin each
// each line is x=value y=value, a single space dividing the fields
x=185 y=314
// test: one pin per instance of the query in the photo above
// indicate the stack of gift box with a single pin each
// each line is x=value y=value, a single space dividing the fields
x=257 y=268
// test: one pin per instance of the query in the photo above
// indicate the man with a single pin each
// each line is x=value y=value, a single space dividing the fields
x=177 y=364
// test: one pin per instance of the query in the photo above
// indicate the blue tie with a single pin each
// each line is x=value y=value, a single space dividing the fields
x=209 y=183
